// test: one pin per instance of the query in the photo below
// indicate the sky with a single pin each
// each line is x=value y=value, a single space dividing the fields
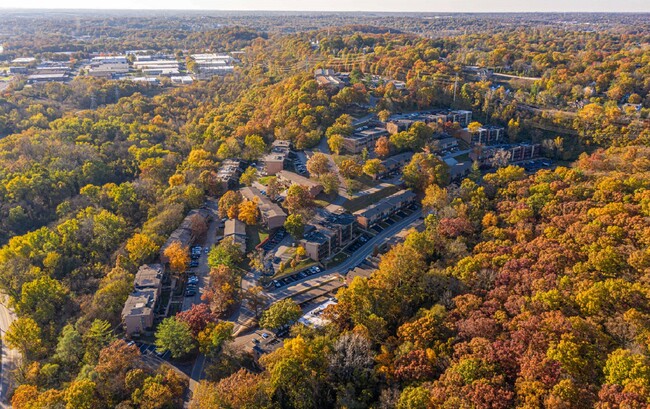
x=443 y=6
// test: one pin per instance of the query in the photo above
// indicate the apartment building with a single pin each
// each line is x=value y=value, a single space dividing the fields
x=383 y=209
x=366 y=137
x=327 y=233
x=272 y=215
x=139 y=310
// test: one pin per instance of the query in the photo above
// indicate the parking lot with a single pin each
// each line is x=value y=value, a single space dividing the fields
x=274 y=240
x=360 y=241
x=535 y=164
x=295 y=277
x=148 y=349
x=394 y=218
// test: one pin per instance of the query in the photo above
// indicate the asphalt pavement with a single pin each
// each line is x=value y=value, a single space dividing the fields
x=244 y=316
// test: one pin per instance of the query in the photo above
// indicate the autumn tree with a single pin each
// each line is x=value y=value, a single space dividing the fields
x=249 y=211
x=255 y=299
x=223 y=289
x=197 y=317
x=229 y=204
x=298 y=199
x=425 y=169
x=281 y=314
x=81 y=394
x=373 y=168
x=178 y=256
x=25 y=335
x=295 y=226
x=335 y=143
x=382 y=147
x=142 y=248
x=273 y=188
x=318 y=164
x=212 y=338
x=350 y=169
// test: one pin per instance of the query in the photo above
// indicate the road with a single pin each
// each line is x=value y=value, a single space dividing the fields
x=203 y=270
x=245 y=316
x=10 y=357
x=356 y=258
x=203 y=273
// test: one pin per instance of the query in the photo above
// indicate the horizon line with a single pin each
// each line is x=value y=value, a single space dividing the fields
x=2 y=8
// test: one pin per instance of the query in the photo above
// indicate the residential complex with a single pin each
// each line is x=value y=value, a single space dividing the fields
x=229 y=173
x=186 y=234
x=377 y=212
x=327 y=233
x=486 y=135
x=139 y=310
x=272 y=215
x=290 y=178
x=363 y=138
x=236 y=230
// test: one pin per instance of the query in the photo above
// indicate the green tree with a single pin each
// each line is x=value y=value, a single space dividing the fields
x=227 y=253
x=175 y=336
x=335 y=143
x=70 y=348
x=24 y=335
x=330 y=182
x=281 y=314
x=43 y=299
x=295 y=225
x=99 y=335
x=254 y=147
x=249 y=176
x=212 y=338
x=373 y=167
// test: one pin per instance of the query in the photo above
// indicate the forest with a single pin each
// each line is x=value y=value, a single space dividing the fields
x=524 y=289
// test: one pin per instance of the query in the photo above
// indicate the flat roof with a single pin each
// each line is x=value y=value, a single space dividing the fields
x=387 y=203
x=140 y=302
x=234 y=227
x=149 y=275
x=297 y=179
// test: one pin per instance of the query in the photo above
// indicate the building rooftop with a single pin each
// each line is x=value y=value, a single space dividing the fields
x=149 y=276
x=397 y=160
x=297 y=179
x=234 y=227
x=266 y=205
x=140 y=302
x=385 y=204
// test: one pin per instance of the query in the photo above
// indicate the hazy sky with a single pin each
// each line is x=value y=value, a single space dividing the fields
x=347 y=5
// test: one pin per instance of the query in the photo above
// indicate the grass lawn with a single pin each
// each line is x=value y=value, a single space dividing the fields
x=365 y=201
x=306 y=263
x=256 y=235
x=265 y=180
x=337 y=259
x=321 y=203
